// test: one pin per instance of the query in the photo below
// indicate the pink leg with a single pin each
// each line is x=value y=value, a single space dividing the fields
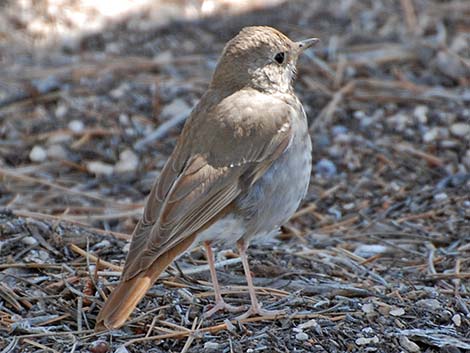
x=220 y=304
x=255 y=308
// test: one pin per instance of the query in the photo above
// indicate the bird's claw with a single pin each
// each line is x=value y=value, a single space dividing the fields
x=222 y=306
x=259 y=311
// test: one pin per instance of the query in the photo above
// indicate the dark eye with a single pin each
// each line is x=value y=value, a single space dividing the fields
x=279 y=58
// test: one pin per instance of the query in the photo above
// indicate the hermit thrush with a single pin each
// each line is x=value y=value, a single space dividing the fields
x=240 y=169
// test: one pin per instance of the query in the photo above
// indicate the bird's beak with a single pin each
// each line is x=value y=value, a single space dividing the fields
x=307 y=43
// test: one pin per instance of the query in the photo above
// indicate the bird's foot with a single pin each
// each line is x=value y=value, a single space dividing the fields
x=257 y=310
x=222 y=306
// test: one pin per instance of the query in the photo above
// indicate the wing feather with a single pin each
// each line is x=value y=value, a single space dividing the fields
x=196 y=186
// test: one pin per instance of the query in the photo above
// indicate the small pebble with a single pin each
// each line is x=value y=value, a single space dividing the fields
x=398 y=121
x=366 y=122
x=211 y=346
x=431 y=135
x=126 y=248
x=61 y=110
x=440 y=196
x=362 y=341
x=57 y=152
x=460 y=129
x=29 y=241
x=37 y=256
x=308 y=324
x=120 y=91
x=420 y=113
x=99 y=168
x=339 y=129
x=429 y=304
x=359 y=114
x=164 y=57
x=128 y=162
x=368 y=308
x=325 y=168
x=102 y=244
x=397 y=312
x=301 y=336
x=335 y=212
x=59 y=138
x=76 y=126
x=121 y=349
x=367 y=251
x=38 y=154
x=457 y=320
x=408 y=345
x=124 y=119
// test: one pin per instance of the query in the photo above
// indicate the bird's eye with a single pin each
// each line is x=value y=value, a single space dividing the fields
x=280 y=58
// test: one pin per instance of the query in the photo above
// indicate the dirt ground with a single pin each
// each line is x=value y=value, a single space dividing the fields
x=377 y=259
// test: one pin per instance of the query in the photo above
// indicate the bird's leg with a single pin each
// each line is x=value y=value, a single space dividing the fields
x=220 y=304
x=255 y=308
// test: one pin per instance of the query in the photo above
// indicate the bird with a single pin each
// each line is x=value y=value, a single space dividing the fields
x=239 y=171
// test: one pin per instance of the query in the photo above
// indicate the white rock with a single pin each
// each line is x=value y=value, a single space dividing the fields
x=398 y=121
x=121 y=349
x=102 y=244
x=99 y=168
x=76 y=126
x=460 y=129
x=308 y=324
x=211 y=346
x=29 y=241
x=431 y=135
x=128 y=162
x=37 y=256
x=457 y=320
x=359 y=114
x=59 y=138
x=124 y=119
x=362 y=341
x=57 y=152
x=38 y=154
x=430 y=304
x=397 y=312
x=367 y=251
x=442 y=196
x=61 y=110
x=420 y=113
x=126 y=248
x=368 y=308
x=301 y=336
x=164 y=57
x=176 y=108
x=408 y=345
x=120 y=91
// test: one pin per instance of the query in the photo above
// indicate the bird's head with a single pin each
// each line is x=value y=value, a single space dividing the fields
x=259 y=57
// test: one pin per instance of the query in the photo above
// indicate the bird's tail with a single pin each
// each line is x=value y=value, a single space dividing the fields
x=125 y=297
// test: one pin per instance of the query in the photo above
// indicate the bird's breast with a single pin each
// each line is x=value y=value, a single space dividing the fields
x=274 y=198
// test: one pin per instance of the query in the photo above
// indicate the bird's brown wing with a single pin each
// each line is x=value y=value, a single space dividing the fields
x=206 y=173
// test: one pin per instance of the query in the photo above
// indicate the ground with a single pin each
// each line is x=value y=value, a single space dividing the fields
x=376 y=259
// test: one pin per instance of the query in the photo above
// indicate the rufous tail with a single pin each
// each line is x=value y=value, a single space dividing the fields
x=125 y=297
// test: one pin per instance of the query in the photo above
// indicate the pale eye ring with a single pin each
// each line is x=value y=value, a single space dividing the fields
x=280 y=57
